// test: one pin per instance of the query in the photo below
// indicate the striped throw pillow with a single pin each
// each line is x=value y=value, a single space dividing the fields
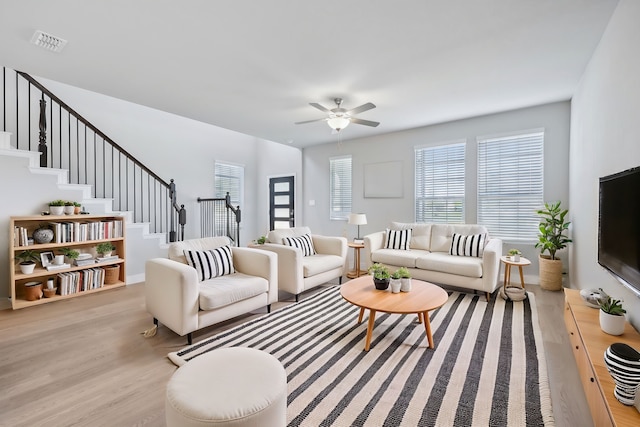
x=398 y=239
x=304 y=243
x=211 y=263
x=473 y=245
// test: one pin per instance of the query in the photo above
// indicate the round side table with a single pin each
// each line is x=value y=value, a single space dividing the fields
x=508 y=263
x=356 y=272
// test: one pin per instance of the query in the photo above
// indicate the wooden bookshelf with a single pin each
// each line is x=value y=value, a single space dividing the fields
x=589 y=344
x=86 y=232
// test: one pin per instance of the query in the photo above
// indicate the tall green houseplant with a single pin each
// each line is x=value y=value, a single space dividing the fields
x=552 y=237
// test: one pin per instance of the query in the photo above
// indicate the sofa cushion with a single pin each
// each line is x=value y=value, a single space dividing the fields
x=445 y=263
x=319 y=263
x=211 y=263
x=398 y=239
x=225 y=290
x=304 y=243
x=462 y=245
x=176 y=249
x=420 y=234
x=276 y=236
x=441 y=234
x=397 y=258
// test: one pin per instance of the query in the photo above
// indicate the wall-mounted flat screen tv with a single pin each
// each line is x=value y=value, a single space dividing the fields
x=619 y=227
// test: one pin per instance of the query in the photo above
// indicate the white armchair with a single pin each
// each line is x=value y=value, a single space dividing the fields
x=298 y=273
x=177 y=298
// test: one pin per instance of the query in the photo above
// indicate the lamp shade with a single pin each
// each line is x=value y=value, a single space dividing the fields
x=357 y=219
x=338 y=123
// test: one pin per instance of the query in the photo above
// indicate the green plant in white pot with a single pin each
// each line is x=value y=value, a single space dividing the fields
x=28 y=259
x=552 y=238
x=612 y=318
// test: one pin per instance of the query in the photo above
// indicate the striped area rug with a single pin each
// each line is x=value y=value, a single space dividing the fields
x=488 y=367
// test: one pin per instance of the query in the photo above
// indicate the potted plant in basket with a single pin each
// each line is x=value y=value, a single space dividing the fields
x=56 y=207
x=28 y=260
x=515 y=255
x=104 y=249
x=405 y=278
x=612 y=318
x=551 y=239
x=381 y=276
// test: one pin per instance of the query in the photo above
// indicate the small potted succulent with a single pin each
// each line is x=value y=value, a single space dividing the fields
x=405 y=278
x=612 y=318
x=104 y=249
x=28 y=260
x=76 y=207
x=396 y=282
x=515 y=255
x=56 y=207
x=381 y=276
x=69 y=207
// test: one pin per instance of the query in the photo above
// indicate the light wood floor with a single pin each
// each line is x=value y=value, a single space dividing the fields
x=84 y=362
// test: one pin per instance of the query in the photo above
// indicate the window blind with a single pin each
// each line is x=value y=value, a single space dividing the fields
x=439 y=183
x=228 y=178
x=510 y=185
x=340 y=187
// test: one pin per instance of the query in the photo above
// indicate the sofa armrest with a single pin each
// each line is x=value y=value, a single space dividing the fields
x=330 y=245
x=491 y=264
x=172 y=294
x=260 y=263
x=372 y=242
x=290 y=273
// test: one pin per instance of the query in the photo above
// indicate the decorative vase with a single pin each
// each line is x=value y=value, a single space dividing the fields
x=550 y=273
x=68 y=210
x=381 y=284
x=406 y=284
x=33 y=291
x=395 y=285
x=612 y=324
x=56 y=210
x=623 y=363
x=43 y=235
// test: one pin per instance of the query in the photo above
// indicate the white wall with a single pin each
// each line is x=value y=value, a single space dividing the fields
x=399 y=146
x=186 y=150
x=605 y=138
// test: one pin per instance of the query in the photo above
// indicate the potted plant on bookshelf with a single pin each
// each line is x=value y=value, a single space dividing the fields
x=56 y=207
x=76 y=207
x=104 y=249
x=70 y=254
x=28 y=260
x=381 y=276
x=405 y=278
x=69 y=207
x=612 y=318
x=551 y=239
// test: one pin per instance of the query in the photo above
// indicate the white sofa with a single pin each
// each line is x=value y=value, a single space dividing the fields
x=298 y=273
x=428 y=256
x=177 y=298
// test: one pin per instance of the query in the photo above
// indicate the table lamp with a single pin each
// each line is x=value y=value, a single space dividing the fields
x=358 y=219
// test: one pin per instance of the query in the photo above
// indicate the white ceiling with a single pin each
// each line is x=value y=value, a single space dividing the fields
x=253 y=66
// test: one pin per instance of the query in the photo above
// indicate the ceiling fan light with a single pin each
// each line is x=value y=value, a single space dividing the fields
x=338 y=123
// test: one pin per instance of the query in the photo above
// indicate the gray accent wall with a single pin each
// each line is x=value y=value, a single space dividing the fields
x=605 y=139
x=400 y=146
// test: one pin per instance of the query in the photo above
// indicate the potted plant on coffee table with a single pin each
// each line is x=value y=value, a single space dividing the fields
x=552 y=237
x=612 y=318
x=28 y=260
x=405 y=279
x=381 y=276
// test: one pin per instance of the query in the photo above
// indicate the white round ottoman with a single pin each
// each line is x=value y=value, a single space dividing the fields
x=234 y=386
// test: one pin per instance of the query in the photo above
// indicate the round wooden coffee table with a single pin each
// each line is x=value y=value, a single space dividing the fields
x=423 y=298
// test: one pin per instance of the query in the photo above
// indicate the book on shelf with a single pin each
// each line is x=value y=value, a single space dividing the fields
x=107 y=258
x=83 y=262
x=52 y=267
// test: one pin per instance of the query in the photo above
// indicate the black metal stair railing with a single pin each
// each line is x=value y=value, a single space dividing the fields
x=218 y=217
x=66 y=140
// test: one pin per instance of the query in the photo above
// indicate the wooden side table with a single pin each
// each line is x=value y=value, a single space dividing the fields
x=508 y=263
x=356 y=261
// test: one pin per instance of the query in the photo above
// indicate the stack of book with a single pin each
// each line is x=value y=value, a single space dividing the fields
x=107 y=258
x=52 y=267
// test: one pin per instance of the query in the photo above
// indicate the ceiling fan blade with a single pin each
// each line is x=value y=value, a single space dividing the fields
x=364 y=122
x=362 y=108
x=309 y=121
x=320 y=107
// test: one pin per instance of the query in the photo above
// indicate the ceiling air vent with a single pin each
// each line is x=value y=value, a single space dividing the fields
x=48 y=41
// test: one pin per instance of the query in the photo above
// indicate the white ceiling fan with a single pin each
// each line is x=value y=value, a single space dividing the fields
x=339 y=118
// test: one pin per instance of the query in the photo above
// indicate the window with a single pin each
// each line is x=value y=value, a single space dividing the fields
x=510 y=185
x=340 y=187
x=229 y=178
x=439 y=175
